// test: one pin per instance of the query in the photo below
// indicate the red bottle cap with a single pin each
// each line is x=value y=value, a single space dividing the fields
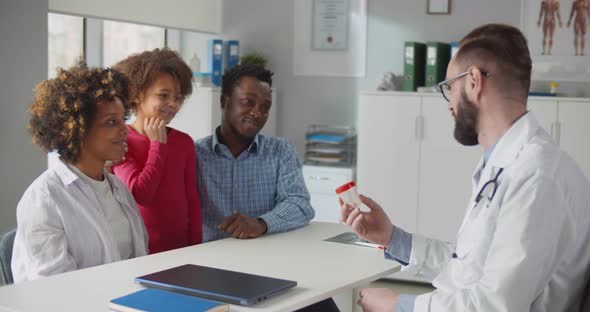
x=345 y=187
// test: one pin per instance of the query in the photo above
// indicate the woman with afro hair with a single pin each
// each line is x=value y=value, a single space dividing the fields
x=160 y=165
x=77 y=215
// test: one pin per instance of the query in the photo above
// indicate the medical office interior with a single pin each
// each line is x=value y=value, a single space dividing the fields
x=342 y=105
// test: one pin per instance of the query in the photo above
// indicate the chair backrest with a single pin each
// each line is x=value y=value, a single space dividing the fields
x=6 y=243
x=585 y=303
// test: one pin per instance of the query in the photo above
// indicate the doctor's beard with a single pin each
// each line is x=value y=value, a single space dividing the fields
x=466 y=121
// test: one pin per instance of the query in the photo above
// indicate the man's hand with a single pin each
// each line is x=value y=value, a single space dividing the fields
x=377 y=299
x=155 y=129
x=373 y=226
x=242 y=226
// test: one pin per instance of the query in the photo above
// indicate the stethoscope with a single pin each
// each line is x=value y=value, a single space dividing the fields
x=494 y=184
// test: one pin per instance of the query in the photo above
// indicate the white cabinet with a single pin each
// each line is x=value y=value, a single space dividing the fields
x=409 y=162
x=200 y=114
x=388 y=155
x=566 y=119
x=445 y=172
x=321 y=183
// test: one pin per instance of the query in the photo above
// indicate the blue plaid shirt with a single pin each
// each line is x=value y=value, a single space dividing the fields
x=265 y=181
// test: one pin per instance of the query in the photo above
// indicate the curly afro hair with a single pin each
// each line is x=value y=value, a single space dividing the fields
x=144 y=68
x=232 y=76
x=64 y=108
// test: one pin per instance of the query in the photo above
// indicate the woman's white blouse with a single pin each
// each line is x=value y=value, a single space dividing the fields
x=62 y=227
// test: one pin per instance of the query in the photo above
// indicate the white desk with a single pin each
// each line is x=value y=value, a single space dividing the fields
x=322 y=270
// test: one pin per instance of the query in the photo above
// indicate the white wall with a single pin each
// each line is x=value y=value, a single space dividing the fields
x=196 y=15
x=267 y=26
x=23 y=55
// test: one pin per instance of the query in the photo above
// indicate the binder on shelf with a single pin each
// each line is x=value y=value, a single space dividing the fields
x=414 y=61
x=157 y=300
x=216 y=60
x=438 y=55
x=232 y=53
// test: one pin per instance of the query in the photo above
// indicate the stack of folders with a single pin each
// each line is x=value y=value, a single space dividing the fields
x=157 y=300
x=330 y=146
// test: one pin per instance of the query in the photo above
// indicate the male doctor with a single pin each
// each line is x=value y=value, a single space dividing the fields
x=524 y=244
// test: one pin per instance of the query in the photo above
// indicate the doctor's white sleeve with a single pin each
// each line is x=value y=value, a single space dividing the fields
x=526 y=245
x=419 y=255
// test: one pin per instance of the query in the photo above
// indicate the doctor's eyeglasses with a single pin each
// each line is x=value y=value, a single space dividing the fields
x=445 y=85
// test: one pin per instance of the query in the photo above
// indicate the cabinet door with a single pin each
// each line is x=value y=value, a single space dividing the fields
x=446 y=168
x=387 y=162
x=322 y=183
x=573 y=131
x=546 y=113
x=195 y=117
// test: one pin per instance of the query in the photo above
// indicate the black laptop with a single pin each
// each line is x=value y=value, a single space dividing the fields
x=216 y=284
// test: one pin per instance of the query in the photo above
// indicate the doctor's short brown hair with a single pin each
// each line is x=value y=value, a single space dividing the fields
x=501 y=50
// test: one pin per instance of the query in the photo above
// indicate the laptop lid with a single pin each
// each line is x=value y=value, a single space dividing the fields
x=217 y=284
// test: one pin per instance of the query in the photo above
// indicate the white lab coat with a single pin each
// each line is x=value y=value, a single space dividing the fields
x=528 y=249
x=62 y=227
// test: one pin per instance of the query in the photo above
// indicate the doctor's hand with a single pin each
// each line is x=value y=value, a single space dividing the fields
x=377 y=299
x=242 y=226
x=373 y=226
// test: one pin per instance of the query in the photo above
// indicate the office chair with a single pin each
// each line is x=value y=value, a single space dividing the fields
x=6 y=243
x=585 y=304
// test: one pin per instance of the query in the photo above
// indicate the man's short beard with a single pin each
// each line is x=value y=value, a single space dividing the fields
x=466 y=121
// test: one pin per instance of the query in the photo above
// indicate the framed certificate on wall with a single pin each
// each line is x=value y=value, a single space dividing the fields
x=326 y=43
x=438 y=7
x=330 y=23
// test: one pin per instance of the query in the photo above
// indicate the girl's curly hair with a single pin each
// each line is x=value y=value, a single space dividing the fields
x=64 y=108
x=144 y=68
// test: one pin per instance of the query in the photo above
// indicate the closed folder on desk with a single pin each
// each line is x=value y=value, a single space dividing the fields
x=156 y=300
x=414 y=61
x=438 y=55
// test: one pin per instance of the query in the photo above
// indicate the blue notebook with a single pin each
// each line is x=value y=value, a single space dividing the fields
x=157 y=300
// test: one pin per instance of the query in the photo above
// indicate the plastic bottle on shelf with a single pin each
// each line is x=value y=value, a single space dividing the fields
x=195 y=63
x=553 y=87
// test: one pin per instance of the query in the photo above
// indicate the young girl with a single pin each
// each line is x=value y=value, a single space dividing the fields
x=77 y=215
x=160 y=165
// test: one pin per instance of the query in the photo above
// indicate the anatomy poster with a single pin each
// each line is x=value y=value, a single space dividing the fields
x=558 y=37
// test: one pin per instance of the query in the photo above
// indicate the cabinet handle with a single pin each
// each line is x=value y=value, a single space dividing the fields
x=419 y=128
x=552 y=131
x=320 y=178
x=558 y=131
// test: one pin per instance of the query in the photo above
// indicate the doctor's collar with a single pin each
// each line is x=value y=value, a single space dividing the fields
x=508 y=147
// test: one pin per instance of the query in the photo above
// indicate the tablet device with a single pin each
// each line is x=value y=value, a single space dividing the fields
x=217 y=284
